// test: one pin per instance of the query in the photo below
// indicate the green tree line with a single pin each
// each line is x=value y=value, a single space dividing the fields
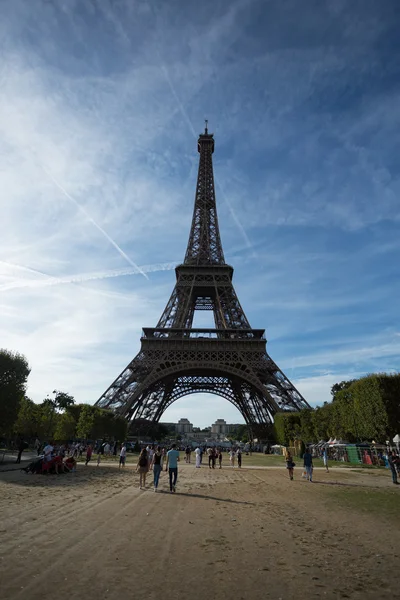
x=56 y=418
x=363 y=409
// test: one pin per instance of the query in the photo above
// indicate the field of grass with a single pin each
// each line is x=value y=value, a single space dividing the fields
x=255 y=460
x=380 y=503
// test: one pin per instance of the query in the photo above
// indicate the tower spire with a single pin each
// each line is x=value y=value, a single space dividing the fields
x=204 y=245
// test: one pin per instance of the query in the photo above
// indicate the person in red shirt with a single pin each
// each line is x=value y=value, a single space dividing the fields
x=89 y=452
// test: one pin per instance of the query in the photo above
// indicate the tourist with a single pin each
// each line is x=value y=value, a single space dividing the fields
x=220 y=457
x=325 y=459
x=21 y=447
x=210 y=453
x=308 y=464
x=157 y=466
x=393 y=461
x=37 y=445
x=239 y=457
x=143 y=467
x=69 y=465
x=122 y=456
x=100 y=452
x=150 y=452
x=115 y=448
x=232 y=456
x=212 y=456
x=290 y=464
x=107 y=449
x=48 y=451
x=89 y=452
x=172 y=467
x=198 y=457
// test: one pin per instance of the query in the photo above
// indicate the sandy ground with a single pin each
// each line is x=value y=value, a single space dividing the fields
x=224 y=534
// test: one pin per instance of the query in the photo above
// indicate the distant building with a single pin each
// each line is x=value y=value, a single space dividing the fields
x=184 y=427
x=220 y=427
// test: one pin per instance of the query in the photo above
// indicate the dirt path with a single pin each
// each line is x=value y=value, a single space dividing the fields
x=239 y=534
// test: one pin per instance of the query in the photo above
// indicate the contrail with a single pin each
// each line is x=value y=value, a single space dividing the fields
x=234 y=215
x=179 y=103
x=189 y=122
x=79 y=278
x=22 y=268
x=121 y=252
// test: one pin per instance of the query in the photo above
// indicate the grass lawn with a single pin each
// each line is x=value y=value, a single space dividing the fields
x=255 y=460
x=380 y=503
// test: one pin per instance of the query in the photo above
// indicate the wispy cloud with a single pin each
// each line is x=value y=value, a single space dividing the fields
x=99 y=111
x=91 y=220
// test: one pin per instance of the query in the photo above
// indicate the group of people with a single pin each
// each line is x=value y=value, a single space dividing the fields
x=52 y=459
x=307 y=465
x=151 y=459
x=215 y=454
x=393 y=459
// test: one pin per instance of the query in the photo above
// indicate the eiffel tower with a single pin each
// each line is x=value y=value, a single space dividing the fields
x=229 y=360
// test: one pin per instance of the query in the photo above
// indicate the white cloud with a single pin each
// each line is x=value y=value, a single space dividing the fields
x=98 y=109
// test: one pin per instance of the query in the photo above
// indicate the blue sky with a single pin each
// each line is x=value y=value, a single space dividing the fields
x=100 y=108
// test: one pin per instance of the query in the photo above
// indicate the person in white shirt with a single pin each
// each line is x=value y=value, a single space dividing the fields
x=232 y=456
x=107 y=449
x=198 y=457
x=122 y=456
x=48 y=449
x=37 y=445
x=150 y=453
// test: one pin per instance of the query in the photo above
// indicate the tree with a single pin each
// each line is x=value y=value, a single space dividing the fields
x=48 y=418
x=27 y=423
x=14 y=371
x=307 y=433
x=287 y=427
x=63 y=400
x=338 y=387
x=86 y=422
x=65 y=428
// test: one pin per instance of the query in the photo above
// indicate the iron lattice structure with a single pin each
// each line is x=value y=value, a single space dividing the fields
x=176 y=360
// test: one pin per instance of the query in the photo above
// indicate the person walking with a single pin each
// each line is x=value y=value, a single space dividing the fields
x=308 y=464
x=239 y=457
x=143 y=467
x=325 y=459
x=232 y=456
x=37 y=446
x=21 y=447
x=122 y=456
x=220 y=457
x=393 y=461
x=100 y=452
x=150 y=452
x=172 y=467
x=210 y=453
x=198 y=457
x=89 y=452
x=290 y=464
x=157 y=466
x=107 y=449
